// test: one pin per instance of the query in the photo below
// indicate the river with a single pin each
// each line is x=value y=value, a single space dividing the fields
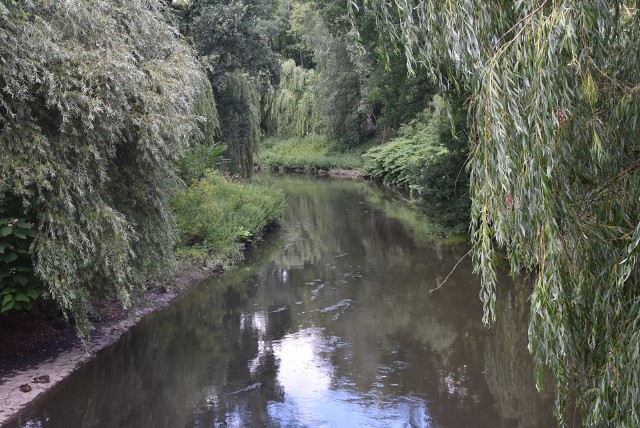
x=331 y=322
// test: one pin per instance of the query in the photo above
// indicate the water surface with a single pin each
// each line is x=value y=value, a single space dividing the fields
x=332 y=323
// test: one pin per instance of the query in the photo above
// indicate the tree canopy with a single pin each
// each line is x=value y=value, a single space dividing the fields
x=96 y=104
x=555 y=172
x=231 y=37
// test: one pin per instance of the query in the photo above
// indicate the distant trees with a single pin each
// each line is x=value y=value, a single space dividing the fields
x=349 y=88
x=356 y=94
x=555 y=173
x=293 y=107
x=232 y=39
x=96 y=105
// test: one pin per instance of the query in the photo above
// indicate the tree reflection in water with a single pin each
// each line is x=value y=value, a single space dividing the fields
x=333 y=324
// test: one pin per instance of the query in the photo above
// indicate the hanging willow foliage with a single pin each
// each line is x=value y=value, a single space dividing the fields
x=555 y=173
x=292 y=108
x=96 y=105
x=240 y=110
x=205 y=107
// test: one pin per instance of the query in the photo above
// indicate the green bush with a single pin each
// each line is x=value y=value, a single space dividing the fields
x=19 y=288
x=200 y=160
x=425 y=159
x=312 y=152
x=215 y=216
x=418 y=144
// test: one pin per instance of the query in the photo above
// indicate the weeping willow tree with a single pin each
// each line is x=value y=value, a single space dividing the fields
x=206 y=109
x=292 y=107
x=555 y=173
x=240 y=119
x=207 y=149
x=96 y=105
x=232 y=39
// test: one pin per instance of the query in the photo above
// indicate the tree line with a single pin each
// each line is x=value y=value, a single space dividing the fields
x=107 y=107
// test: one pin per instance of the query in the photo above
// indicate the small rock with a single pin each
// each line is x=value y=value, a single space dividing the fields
x=25 y=388
x=41 y=379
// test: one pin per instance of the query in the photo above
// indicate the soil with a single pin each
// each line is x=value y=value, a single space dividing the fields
x=31 y=346
x=24 y=338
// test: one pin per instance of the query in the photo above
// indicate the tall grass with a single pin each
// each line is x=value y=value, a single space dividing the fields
x=217 y=217
x=312 y=152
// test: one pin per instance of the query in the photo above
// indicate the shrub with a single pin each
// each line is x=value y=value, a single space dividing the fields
x=19 y=288
x=423 y=160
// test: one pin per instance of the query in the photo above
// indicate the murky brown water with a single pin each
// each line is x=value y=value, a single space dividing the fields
x=331 y=324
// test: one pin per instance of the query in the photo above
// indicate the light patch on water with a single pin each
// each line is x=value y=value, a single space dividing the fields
x=314 y=293
x=339 y=308
x=312 y=398
x=342 y=304
x=259 y=324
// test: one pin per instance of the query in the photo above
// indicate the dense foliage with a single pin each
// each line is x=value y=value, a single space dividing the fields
x=338 y=96
x=417 y=143
x=95 y=107
x=231 y=37
x=215 y=216
x=429 y=161
x=311 y=153
x=555 y=173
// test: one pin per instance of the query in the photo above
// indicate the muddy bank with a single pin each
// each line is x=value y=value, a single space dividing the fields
x=60 y=357
x=333 y=172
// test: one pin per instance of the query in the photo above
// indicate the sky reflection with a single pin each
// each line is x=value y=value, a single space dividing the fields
x=312 y=399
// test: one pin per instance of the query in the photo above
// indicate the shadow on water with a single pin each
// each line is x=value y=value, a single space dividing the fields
x=332 y=324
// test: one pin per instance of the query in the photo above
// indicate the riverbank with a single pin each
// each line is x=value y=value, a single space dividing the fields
x=219 y=222
x=309 y=154
x=58 y=358
x=331 y=172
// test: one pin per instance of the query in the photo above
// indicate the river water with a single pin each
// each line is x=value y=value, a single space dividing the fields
x=331 y=322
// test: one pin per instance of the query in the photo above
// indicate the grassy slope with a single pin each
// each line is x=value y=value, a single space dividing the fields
x=216 y=217
x=312 y=152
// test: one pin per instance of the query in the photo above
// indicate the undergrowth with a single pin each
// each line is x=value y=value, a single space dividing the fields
x=428 y=160
x=217 y=217
x=312 y=152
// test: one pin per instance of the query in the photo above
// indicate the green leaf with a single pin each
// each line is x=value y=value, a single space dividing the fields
x=3 y=246
x=7 y=298
x=6 y=230
x=19 y=233
x=34 y=294
x=7 y=306
x=22 y=297
x=20 y=279
x=10 y=257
